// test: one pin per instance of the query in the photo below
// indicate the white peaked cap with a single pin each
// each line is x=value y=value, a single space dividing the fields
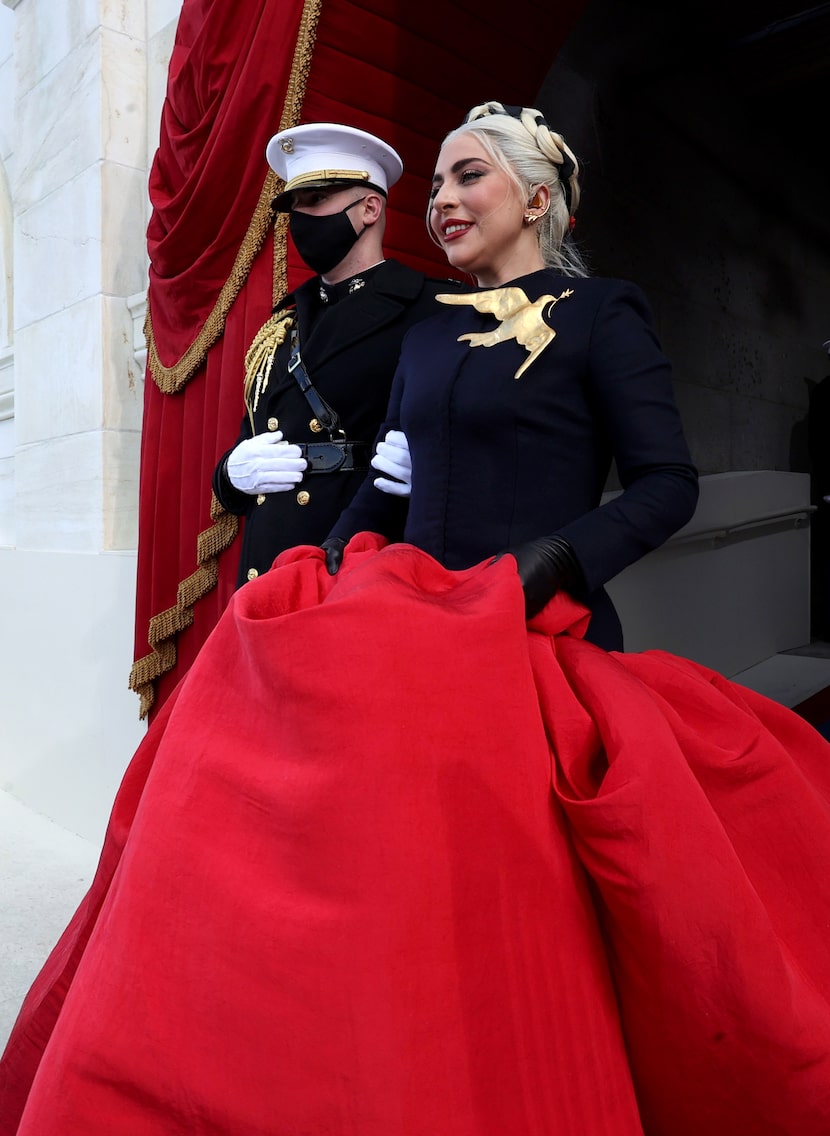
x=326 y=153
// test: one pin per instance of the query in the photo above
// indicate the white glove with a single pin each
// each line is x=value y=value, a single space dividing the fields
x=265 y=464
x=393 y=457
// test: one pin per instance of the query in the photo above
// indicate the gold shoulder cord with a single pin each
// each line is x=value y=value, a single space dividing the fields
x=170 y=380
x=259 y=358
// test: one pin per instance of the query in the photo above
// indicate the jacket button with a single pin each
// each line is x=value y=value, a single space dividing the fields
x=303 y=497
x=273 y=423
x=260 y=498
x=314 y=425
x=252 y=573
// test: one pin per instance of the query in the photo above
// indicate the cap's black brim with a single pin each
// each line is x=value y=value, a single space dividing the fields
x=282 y=202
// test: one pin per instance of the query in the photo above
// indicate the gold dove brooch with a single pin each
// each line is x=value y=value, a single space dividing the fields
x=519 y=319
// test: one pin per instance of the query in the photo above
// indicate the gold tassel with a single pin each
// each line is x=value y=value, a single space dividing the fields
x=259 y=358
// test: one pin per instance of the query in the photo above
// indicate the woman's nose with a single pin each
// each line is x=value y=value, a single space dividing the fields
x=443 y=198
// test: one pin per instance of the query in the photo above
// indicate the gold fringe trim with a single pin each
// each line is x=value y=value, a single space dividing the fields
x=170 y=380
x=259 y=358
x=167 y=624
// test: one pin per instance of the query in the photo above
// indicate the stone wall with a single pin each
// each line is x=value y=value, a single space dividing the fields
x=81 y=87
x=708 y=190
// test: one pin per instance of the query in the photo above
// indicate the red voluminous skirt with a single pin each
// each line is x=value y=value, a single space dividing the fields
x=393 y=862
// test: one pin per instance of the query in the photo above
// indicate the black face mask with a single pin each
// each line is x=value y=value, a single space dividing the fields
x=322 y=242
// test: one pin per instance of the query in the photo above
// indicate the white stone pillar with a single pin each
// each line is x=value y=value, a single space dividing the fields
x=7 y=88
x=76 y=142
x=79 y=189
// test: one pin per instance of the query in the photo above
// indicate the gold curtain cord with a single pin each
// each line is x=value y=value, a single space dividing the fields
x=167 y=624
x=212 y=541
x=170 y=380
x=280 y=284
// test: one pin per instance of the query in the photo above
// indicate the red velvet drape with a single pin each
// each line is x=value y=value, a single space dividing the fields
x=233 y=73
x=240 y=70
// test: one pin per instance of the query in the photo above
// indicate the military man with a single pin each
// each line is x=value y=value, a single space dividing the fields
x=318 y=373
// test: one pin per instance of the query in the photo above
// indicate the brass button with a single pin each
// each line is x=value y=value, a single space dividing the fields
x=252 y=573
x=303 y=497
x=260 y=498
x=314 y=425
x=273 y=423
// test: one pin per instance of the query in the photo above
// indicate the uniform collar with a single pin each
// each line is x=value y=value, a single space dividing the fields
x=390 y=278
x=331 y=293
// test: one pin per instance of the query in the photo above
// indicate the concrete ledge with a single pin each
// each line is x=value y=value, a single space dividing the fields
x=732 y=587
x=70 y=723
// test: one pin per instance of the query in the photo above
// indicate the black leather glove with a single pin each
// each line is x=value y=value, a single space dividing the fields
x=545 y=566
x=333 y=547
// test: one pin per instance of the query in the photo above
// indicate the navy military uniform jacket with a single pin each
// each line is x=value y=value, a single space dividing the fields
x=498 y=460
x=350 y=349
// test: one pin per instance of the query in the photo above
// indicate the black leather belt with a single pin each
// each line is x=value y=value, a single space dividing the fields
x=331 y=457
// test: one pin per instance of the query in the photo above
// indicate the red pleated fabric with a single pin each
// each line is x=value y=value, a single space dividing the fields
x=227 y=81
x=704 y=823
x=445 y=874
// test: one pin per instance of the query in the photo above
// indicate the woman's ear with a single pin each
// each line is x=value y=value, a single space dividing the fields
x=540 y=199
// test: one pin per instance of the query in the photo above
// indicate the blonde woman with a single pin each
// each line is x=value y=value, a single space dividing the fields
x=508 y=407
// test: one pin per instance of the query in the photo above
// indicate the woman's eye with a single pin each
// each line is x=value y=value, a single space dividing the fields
x=466 y=177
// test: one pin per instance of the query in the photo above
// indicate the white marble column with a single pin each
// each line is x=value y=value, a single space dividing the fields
x=7 y=88
x=81 y=87
x=79 y=190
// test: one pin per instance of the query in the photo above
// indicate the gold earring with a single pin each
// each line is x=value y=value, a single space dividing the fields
x=531 y=218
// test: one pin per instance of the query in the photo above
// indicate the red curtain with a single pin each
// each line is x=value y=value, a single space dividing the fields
x=240 y=71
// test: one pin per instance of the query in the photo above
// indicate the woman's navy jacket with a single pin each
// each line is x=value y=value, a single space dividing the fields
x=498 y=460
